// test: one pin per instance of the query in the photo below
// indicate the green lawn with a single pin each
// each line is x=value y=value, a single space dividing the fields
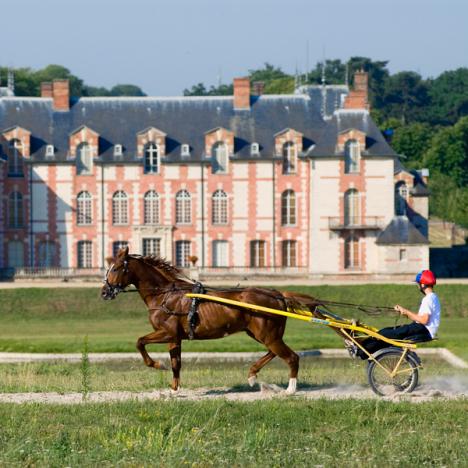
x=281 y=432
x=56 y=320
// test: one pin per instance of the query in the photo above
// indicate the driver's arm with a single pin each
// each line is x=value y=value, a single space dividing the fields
x=423 y=318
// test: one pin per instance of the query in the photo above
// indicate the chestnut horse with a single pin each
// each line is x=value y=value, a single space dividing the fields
x=163 y=287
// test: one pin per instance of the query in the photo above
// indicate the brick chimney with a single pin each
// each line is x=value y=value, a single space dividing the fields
x=46 y=89
x=242 y=93
x=358 y=97
x=61 y=95
x=258 y=87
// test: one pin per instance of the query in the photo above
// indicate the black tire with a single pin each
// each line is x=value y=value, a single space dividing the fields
x=404 y=382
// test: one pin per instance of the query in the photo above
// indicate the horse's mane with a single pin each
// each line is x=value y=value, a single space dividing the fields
x=171 y=272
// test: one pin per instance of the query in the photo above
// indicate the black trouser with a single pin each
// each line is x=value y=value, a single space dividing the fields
x=413 y=331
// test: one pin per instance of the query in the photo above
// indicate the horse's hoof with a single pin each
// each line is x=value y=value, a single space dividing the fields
x=175 y=392
x=291 y=390
x=252 y=380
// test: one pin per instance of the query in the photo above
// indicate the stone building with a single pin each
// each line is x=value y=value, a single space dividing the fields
x=291 y=183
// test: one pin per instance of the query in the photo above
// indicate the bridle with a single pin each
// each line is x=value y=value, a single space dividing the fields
x=114 y=290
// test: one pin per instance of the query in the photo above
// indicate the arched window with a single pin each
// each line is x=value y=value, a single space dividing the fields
x=352 y=153
x=351 y=207
x=289 y=158
x=219 y=154
x=183 y=207
x=219 y=207
x=83 y=208
x=47 y=254
x=288 y=208
x=15 y=254
x=151 y=159
x=15 y=158
x=85 y=254
x=151 y=207
x=15 y=210
x=84 y=159
x=351 y=251
x=120 y=208
x=401 y=197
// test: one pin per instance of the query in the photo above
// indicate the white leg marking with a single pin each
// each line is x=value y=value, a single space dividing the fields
x=252 y=380
x=291 y=390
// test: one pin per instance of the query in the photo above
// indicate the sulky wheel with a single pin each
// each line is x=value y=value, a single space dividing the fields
x=404 y=378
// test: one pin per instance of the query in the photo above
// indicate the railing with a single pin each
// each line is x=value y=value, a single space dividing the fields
x=355 y=222
x=50 y=273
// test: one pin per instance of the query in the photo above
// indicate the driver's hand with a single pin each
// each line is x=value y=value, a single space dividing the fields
x=400 y=309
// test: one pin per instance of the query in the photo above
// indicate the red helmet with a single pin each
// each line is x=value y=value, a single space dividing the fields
x=426 y=277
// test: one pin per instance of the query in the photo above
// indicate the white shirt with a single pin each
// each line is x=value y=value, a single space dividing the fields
x=430 y=305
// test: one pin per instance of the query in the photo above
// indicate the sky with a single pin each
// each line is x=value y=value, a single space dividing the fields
x=164 y=46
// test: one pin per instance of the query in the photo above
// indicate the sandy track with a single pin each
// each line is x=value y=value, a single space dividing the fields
x=446 y=389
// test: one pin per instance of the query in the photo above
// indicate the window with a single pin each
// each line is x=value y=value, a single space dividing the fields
x=219 y=155
x=118 y=245
x=289 y=158
x=351 y=207
x=403 y=255
x=288 y=253
x=151 y=207
x=152 y=246
x=183 y=207
x=83 y=209
x=254 y=149
x=151 y=159
x=50 y=150
x=351 y=251
x=85 y=254
x=15 y=210
x=15 y=254
x=351 y=156
x=219 y=207
x=84 y=159
x=185 y=150
x=182 y=253
x=120 y=208
x=118 y=150
x=401 y=197
x=257 y=253
x=288 y=208
x=15 y=158
x=47 y=254
x=220 y=253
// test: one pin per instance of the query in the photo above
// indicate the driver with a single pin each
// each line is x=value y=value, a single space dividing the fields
x=424 y=323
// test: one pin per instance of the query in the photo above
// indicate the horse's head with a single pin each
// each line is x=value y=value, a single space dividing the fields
x=117 y=276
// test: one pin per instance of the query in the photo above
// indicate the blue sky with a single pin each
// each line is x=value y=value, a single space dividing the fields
x=165 y=46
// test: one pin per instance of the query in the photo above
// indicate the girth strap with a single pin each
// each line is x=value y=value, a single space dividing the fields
x=198 y=288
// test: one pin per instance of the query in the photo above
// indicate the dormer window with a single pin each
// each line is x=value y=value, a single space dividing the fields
x=289 y=158
x=352 y=153
x=84 y=159
x=118 y=151
x=220 y=158
x=151 y=159
x=254 y=149
x=50 y=151
x=185 y=150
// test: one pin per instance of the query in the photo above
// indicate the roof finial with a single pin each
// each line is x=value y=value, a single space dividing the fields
x=323 y=72
x=346 y=79
x=307 y=62
x=11 y=80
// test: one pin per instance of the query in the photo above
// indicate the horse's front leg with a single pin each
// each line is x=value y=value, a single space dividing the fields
x=158 y=336
x=175 y=351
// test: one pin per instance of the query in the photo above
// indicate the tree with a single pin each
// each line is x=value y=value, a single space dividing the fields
x=448 y=153
x=412 y=141
x=126 y=90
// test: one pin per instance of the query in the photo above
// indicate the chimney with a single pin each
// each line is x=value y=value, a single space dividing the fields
x=242 y=93
x=46 y=89
x=61 y=95
x=358 y=97
x=258 y=87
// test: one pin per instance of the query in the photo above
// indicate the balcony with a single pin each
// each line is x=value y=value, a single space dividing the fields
x=353 y=223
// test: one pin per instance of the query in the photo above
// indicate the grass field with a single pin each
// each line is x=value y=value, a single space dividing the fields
x=220 y=433
x=56 y=320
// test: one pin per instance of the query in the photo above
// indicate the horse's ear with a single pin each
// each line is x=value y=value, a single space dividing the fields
x=126 y=252
x=123 y=253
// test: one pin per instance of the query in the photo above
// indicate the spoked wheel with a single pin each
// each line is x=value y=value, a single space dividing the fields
x=389 y=374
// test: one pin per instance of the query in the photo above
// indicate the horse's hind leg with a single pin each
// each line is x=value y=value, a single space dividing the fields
x=257 y=366
x=281 y=349
x=158 y=336
x=175 y=351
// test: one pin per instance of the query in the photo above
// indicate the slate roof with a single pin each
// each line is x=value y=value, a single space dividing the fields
x=185 y=120
x=401 y=231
